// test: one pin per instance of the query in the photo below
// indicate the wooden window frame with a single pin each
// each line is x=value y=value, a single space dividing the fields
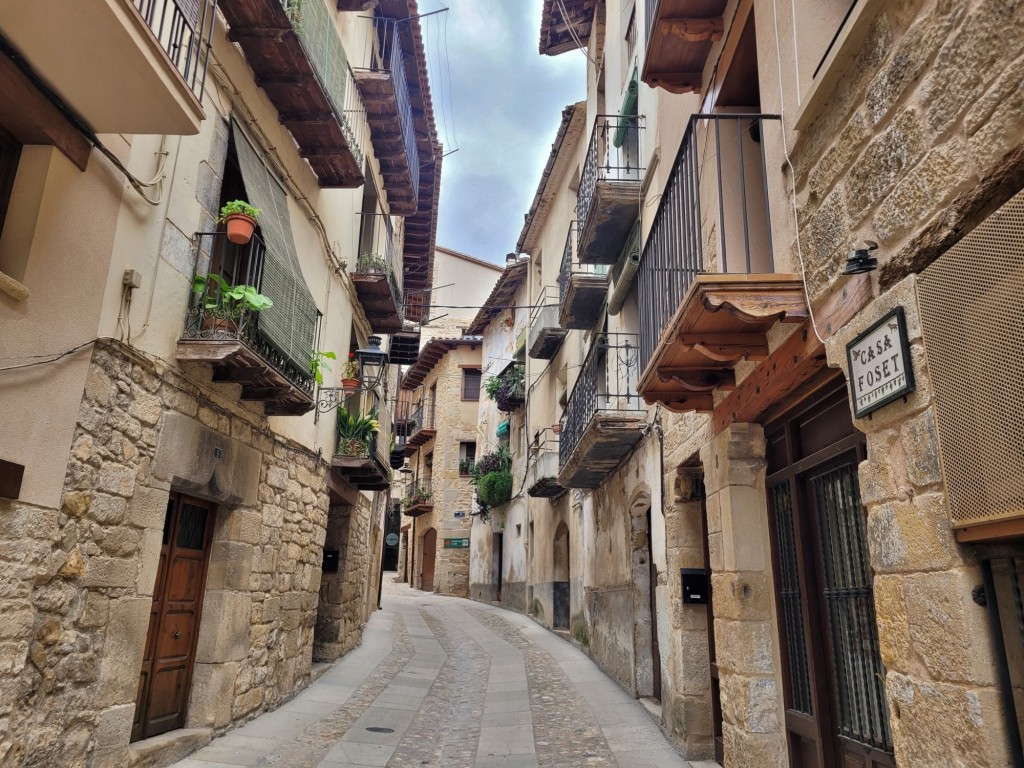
x=479 y=381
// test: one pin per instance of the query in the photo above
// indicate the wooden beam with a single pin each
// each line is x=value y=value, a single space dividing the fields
x=840 y=307
x=799 y=358
x=675 y=82
x=274 y=34
x=693 y=30
x=262 y=80
x=306 y=117
x=699 y=379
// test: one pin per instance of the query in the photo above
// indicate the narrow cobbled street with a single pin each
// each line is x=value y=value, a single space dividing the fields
x=441 y=681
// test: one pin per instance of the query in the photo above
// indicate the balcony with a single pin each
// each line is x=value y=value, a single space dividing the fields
x=375 y=277
x=359 y=456
x=404 y=347
x=546 y=334
x=420 y=427
x=608 y=200
x=680 y=34
x=706 y=277
x=294 y=50
x=581 y=287
x=605 y=417
x=508 y=388
x=124 y=66
x=266 y=352
x=419 y=499
x=542 y=472
x=385 y=92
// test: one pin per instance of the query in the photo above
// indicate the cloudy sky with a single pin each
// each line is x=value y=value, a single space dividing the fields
x=501 y=112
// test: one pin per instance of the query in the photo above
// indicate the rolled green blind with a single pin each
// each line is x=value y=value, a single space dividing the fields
x=629 y=105
x=290 y=325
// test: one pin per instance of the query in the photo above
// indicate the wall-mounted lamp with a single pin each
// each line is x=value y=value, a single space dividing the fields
x=861 y=260
x=373 y=366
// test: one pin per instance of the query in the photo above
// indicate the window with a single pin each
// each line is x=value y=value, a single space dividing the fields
x=630 y=38
x=470 y=383
x=467 y=458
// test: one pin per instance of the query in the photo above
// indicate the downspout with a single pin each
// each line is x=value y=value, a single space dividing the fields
x=624 y=282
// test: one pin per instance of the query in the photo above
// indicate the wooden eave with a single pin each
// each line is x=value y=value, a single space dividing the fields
x=431 y=355
x=404 y=347
x=380 y=306
x=263 y=31
x=421 y=436
x=502 y=295
x=364 y=472
x=235 y=362
x=682 y=35
x=558 y=32
x=606 y=442
x=377 y=88
x=723 y=319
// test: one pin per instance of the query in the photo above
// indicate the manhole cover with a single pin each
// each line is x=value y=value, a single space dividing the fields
x=378 y=729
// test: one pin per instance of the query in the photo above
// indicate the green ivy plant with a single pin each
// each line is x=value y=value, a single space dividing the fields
x=221 y=298
x=317 y=364
x=236 y=207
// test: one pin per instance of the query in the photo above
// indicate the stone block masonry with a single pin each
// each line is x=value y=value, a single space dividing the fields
x=76 y=583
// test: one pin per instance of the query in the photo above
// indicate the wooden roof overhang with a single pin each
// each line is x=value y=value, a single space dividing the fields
x=420 y=436
x=723 y=319
x=381 y=307
x=234 y=361
x=421 y=226
x=283 y=70
x=503 y=295
x=364 y=472
x=431 y=355
x=681 y=36
x=558 y=31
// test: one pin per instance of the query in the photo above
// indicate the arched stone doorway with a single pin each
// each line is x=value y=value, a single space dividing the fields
x=560 y=576
x=428 y=557
x=645 y=612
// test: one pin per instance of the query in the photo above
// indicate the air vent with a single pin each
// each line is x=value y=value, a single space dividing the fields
x=972 y=314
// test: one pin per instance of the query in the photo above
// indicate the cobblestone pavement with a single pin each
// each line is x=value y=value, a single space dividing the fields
x=450 y=683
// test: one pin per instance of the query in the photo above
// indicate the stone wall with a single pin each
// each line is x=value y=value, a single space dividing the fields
x=77 y=582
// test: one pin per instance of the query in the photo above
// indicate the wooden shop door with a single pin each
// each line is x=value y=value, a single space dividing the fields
x=165 y=680
x=429 y=555
x=836 y=710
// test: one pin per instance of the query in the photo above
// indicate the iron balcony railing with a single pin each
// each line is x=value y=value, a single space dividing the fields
x=612 y=155
x=185 y=30
x=377 y=251
x=717 y=196
x=211 y=316
x=387 y=56
x=365 y=404
x=419 y=492
x=650 y=11
x=314 y=25
x=607 y=382
x=571 y=264
x=422 y=418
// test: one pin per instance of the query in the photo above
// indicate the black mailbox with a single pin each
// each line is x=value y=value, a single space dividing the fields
x=332 y=560
x=696 y=586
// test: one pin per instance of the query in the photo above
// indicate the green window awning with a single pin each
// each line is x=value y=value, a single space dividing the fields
x=503 y=428
x=629 y=107
x=290 y=325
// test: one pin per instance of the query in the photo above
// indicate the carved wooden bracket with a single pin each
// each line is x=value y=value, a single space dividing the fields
x=694 y=30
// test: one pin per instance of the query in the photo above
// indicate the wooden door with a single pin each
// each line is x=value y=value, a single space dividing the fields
x=429 y=555
x=836 y=712
x=166 y=676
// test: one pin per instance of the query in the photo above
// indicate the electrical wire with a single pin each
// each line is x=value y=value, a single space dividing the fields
x=575 y=36
x=51 y=358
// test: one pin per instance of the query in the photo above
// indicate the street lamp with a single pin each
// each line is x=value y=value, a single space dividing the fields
x=373 y=367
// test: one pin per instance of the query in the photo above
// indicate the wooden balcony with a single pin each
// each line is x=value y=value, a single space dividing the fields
x=582 y=288
x=420 y=428
x=605 y=417
x=235 y=345
x=564 y=23
x=419 y=499
x=542 y=477
x=404 y=347
x=680 y=34
x=608 y=201
x=361 y=465
x=702 y=314
x=546 y=333
x=385 y=91
x=302 y=68
x=123 y=66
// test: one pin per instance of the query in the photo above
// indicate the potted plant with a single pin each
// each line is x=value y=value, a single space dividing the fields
x=222 y=305
x=350 y=373
x=317 y=365
x=355 y=432
x=240 y=219
x=416 y=497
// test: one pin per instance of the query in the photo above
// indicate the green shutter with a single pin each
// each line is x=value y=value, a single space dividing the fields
x=290 y=325
x=629 y=106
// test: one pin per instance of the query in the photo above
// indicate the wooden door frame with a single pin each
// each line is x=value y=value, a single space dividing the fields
x=177 y=499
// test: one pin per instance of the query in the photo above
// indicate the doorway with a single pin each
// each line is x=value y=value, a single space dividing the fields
x=497 y=564
x=836 y=711
x=645 y=608
x=428 y=556
x=560 y=587
x=166 y=676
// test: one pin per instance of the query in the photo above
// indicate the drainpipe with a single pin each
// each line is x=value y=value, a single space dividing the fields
x=624 y=283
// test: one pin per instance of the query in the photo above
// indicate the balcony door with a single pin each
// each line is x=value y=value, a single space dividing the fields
x=836 y=711
x=166 y=676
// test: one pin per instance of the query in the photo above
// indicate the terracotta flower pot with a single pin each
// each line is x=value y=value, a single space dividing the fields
x=350 y=385
x=240 y=228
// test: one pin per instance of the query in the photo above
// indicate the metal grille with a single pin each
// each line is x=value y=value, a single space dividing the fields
x=191 y=527
x=790 y=594
x=972 y=317
x=861 y=707
x=571 y=264
x=184 y=29
x=608 y=161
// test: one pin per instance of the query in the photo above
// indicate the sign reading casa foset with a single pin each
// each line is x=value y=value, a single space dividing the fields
x=880 y=367
x=456 y=543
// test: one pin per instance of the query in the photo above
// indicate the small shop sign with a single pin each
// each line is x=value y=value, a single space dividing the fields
x=880 y=366
x=456 y=543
